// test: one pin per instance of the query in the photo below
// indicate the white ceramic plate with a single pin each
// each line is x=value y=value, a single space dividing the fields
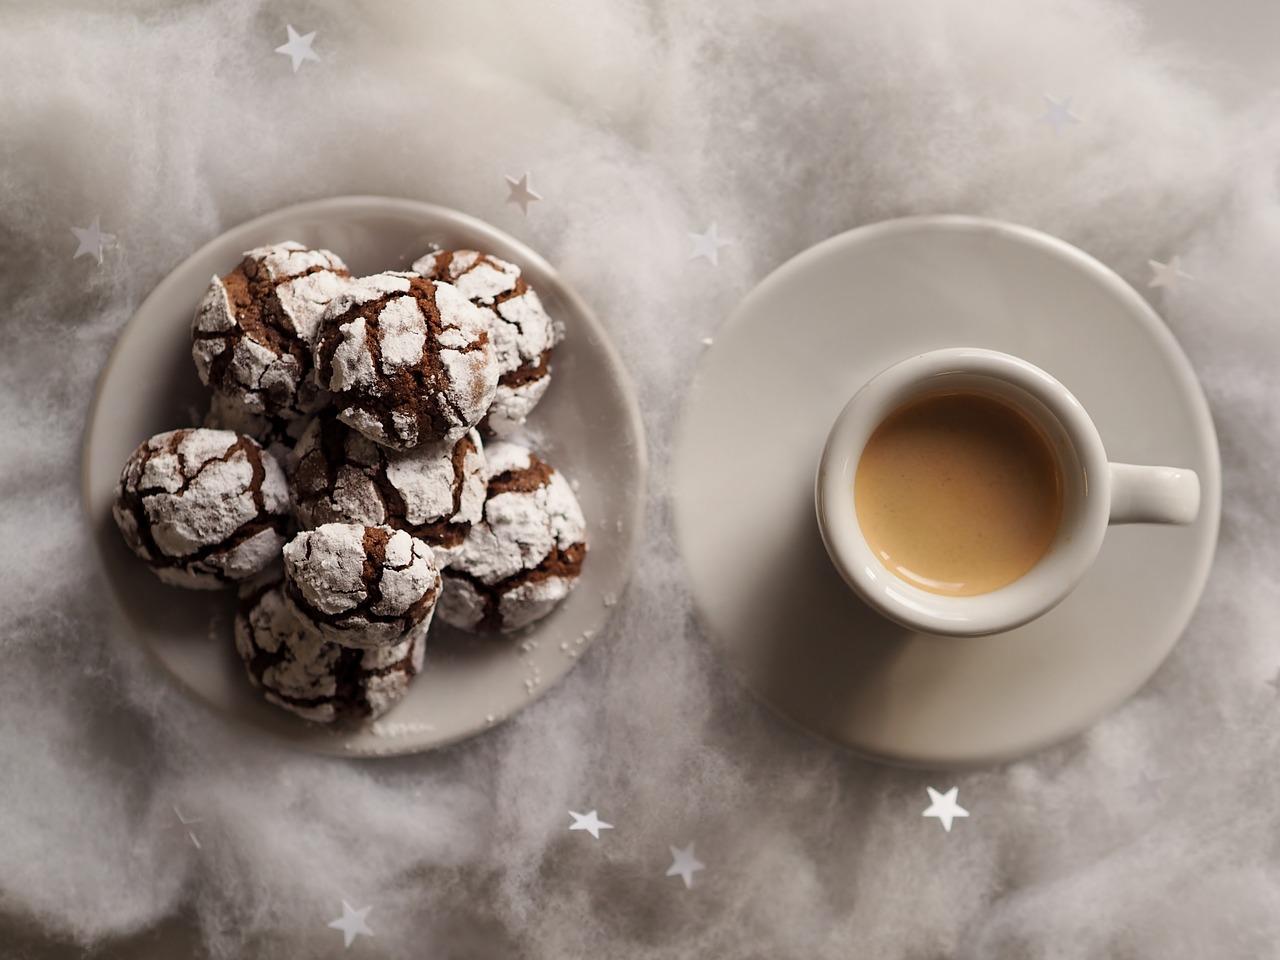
x=753 y=428
x=588 y=424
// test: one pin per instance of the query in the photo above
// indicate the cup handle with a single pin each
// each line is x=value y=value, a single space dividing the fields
x=1153 y=494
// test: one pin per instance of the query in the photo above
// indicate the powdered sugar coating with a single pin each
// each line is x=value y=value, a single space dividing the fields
x=526 y=554
x=360 y=586
x=284 y=261
x=529 y=602
x=203 y=507
x=311 y=677
x=402 y=334
x=432 y=486
x=253 y=332
x=462 y=604
x=408 y=360
x=434 y=491
x=277 y=435
x=351 y=367
x=512 y=404
x=522 y=332
x=480 y=278
x=521 y=528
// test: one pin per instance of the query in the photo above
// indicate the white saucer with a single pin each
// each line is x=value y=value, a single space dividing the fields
x=589 y=425
x=753 y=428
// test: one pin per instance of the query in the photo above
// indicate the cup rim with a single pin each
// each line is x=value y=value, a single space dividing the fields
x=1053 y=577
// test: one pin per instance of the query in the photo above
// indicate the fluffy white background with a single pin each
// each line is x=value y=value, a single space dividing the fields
x=640 y=122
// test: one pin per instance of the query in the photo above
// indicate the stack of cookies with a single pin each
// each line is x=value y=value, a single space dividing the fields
x=364 y=431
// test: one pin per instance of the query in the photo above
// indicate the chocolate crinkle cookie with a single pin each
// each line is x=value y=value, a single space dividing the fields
x=522 y=332
x=360 y=586
x=434 y=491
x=254 y=330
x=202 y=507
x=307 y=675
x=407 y=359
x=277 y=435
x=525 y=556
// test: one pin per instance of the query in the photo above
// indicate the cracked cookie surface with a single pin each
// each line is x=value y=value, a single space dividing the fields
x=253 y=332
x=277 y=435
x=525 y=555
x=522 y=332
x=202 y=507
x=311 y=677
x=360 y=586
x=407 y=360
x=434 y=491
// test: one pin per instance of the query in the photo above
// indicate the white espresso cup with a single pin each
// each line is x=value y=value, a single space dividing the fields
x=1095 y=493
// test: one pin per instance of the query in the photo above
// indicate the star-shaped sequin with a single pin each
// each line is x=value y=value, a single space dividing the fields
x=351 y=923
x=684 y=864
x=706 y=245
x=189 y=822
x=944 y=807
x=1151 y=787
x=298 y=48
x=519 y=192
x=1057 y=114
x=589 y=822
x=1167 y=275
x=91 y=241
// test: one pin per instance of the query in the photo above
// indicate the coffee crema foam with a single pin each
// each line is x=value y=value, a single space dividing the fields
x=958 y=493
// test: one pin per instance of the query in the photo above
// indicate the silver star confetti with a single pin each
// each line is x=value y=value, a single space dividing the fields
x=91 y=241
x=351 y=923
x=1151 y=788
x=684 y=864
x=1167 y=275
x=589 y=822
x=521 y=193
x=298 y=48
x=707 y=245
x=187 y=822
x=1058 y=114
x=944 y=807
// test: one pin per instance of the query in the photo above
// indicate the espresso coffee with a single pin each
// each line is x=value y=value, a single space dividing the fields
x=958 y=493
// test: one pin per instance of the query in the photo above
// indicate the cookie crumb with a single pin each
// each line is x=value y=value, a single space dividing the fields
x=391 y=728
